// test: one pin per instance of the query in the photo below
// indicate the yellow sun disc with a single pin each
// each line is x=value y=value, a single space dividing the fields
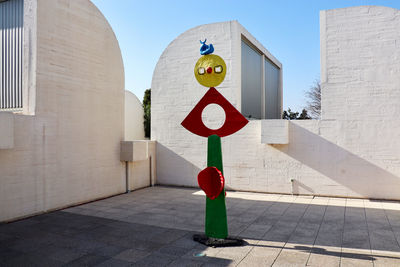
x=210 y=70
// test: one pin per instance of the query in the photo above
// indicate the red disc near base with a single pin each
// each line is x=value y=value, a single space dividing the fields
x=211 y=181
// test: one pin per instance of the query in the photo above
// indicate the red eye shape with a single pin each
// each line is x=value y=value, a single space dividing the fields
x=234 y=120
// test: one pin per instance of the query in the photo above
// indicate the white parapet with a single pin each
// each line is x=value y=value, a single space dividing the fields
x=136 y=150
x=140 y=156
x=275 y=132
x=6 y=130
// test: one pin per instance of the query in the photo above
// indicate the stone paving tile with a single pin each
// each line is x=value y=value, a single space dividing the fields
x=88 y=260
x=64 y=255
x=293 y=257
x=114 y=263
x=324 y=256
x=186 y=262
x=156 y=260
x=356 y=257
x=31 y=259
x=214 y=262
x=109 y=250
x=155 y=226
x=132 y=255
x=385 y=258
x=265 y=252
x=7 y=254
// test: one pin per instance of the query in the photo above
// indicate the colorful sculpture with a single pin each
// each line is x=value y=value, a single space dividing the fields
x=210 y=71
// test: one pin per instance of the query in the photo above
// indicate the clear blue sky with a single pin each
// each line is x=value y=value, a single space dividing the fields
x=289 y=29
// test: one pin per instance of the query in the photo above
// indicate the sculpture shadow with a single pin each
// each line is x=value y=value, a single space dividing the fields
x=184 y=172
x=342 y=166
x=297 y=185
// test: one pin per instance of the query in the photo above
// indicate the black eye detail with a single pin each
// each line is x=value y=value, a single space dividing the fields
x=218 y=69
x=201 y=70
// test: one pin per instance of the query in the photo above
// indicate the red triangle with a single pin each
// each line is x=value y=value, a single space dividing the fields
x=234 y=120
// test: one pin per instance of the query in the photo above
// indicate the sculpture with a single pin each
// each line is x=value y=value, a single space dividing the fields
x=210 y=71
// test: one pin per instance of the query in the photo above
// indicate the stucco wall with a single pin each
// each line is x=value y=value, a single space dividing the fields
x=68 y=151
x=134 y=127
x=353 y=151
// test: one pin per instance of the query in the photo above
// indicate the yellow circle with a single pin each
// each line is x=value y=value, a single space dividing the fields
x=210 y=62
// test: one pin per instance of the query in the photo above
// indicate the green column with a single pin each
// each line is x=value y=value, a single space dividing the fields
x=216 y=222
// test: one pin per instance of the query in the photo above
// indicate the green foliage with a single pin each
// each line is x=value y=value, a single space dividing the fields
x=304 y=115
x=147 y=112
x=290 y=115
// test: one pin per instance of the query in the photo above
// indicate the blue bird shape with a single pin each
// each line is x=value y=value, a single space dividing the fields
x=206 y=49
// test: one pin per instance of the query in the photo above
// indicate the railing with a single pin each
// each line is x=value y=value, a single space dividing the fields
x=11 y=54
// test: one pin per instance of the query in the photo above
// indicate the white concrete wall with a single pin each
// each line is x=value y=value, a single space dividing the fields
x=134 y=127
x=6 y=130
x=142 y=172
x=140 y=157
x=68 y=151
x=353 y=151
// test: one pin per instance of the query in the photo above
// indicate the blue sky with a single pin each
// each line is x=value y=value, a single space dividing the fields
x=289 y=29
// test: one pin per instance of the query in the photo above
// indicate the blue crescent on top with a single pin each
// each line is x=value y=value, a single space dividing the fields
x=206 y=49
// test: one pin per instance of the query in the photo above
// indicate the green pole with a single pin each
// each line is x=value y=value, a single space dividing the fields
x=216 y=222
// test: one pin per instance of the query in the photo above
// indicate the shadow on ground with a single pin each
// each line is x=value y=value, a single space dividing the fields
x=61 y=238
x=154 y=227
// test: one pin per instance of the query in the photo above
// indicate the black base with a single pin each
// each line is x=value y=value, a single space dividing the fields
x=216 y=242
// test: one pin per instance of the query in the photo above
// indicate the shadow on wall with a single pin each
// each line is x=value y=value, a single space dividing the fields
x=340 y=165
x=183 y=173
x=296 y=185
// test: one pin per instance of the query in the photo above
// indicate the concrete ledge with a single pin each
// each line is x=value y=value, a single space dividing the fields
x=140 y=156
x=275 y=132
x=6 y=130
x=136 y=150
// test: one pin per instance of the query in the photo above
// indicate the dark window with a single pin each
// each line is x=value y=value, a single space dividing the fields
x=11 y=54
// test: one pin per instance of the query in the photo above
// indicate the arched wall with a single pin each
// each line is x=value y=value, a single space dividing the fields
x=175 y=91
x=134 y=127
x=68 y=151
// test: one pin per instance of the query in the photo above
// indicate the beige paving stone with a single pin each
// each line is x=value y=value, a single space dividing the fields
x=324 y=256
x=234 y=254
x=386 y=258
x=293 y=256
x=265 y=253
x=337 y=201
x=356 y=257
x=254 y=260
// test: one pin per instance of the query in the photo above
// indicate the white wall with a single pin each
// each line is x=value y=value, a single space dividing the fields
x=353 y=151
x=67 y=151
x=6 y=130
x=134 y=127
x=140 y=157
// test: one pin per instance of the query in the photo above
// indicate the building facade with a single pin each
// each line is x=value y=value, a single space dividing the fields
x=353 y=151
x=61 y=146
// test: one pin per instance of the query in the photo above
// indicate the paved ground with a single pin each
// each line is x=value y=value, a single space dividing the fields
x=154 y=227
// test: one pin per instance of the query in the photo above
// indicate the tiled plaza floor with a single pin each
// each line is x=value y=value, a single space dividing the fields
x=154 y=227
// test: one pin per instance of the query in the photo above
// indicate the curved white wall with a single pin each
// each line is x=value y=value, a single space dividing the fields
x=175 y=91
x=68 y=152
x=134 y=127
